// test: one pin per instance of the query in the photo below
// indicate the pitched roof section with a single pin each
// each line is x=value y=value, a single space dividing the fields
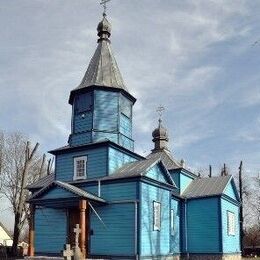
x=136 y=169
x=73 y=189
x=103 y=69
x=44 y=181
x=167 y=159
x=206 y=187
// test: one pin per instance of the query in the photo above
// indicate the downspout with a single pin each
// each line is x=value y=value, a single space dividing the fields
x=136 y=231
x=186 y=230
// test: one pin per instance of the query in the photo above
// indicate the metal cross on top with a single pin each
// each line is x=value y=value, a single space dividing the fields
x=160 y=111
x=77 y=231
x=104 y=3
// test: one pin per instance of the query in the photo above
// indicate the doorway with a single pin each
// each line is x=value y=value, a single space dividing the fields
x=73 y=219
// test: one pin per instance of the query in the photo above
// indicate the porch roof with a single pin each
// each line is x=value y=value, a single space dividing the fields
x=68 y=187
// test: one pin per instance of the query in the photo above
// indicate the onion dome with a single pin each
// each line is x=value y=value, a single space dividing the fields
x=104 y=29
x=160 y=137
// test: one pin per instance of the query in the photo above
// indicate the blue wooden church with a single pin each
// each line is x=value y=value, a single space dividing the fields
x=128 y=206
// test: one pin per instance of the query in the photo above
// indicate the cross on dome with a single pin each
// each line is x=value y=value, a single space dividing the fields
x=104 y=3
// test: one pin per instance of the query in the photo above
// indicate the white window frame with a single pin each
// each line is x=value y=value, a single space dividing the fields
x=172 y=218
x=76 y=159
x=156 y=216
x=231 y=223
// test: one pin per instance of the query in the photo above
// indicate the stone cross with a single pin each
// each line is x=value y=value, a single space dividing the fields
x=77 y=231
x=68 y=253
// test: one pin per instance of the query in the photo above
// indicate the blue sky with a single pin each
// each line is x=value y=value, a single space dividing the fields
x=199 y=59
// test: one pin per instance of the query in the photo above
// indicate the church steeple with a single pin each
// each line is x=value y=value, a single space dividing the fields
x=103 y=70
x=160 y=138
x=102 y=105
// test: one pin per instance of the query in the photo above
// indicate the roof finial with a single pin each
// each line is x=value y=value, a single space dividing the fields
x=160 y=111
x=104 y=3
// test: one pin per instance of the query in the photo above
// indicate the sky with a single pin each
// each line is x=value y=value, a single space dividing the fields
x=198 y=59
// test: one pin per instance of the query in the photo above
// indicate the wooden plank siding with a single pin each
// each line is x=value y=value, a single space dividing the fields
x=117 y=159
x=119 y=191
x=106 y=110
x=80 y=138
x=117 y=237
x=154 y=243
x=51 y=230
x=229 y=191
x=175 y=231
x=126 y=142
x=96 y=164
x=231 y=243
x=58 y=193
x=82 y=122
x=156 y=173
x=203 y=227
x=184 y=181
x=176 y=177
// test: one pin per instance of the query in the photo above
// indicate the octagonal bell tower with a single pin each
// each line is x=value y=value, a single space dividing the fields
x=101 y=104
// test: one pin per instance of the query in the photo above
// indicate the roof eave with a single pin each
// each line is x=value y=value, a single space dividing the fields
x=92 y=87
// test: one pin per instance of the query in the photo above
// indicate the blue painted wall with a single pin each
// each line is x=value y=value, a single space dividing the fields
x=57 y=192
x=231 y=243
x=203 y=225
x=51 y=230
x=154 y=242
x=156 y=173
x=175 y=232
x=106 y=110
x=184 y=181
x=229 y=191
x=117 y=159
x=118 y=237
x=176 y=177
x=125 y=125
x=119 y=191
x=102 y=115
x=82 y=119
x=126 y=142
x=80 y=138
x=96 y=165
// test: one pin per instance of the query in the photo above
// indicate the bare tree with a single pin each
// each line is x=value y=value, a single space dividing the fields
x=1 y=158
x=21 y=165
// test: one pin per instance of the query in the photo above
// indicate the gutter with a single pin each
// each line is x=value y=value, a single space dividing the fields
x=186 y=231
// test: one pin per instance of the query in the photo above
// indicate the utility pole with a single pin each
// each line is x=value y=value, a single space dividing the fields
x=210 y=171
x=241 y=207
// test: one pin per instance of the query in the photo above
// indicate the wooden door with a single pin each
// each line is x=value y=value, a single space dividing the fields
x=74 y=219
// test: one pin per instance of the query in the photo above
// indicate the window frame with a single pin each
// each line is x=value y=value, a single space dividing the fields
x=80 y=158
x=231 y=217
x=156 y=227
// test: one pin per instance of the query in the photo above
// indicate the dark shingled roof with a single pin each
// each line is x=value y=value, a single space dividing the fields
x=205 y=187
x=167 y=159
x=73 y=189
x=44 y=181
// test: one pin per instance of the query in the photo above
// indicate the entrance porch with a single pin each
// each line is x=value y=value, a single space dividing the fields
x=55 y=211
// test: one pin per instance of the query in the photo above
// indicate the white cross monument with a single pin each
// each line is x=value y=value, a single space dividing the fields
x=68 y=253
x=77 y=252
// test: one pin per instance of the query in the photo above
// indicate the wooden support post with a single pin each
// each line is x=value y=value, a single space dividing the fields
x=31 y=231
x=82 y=243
